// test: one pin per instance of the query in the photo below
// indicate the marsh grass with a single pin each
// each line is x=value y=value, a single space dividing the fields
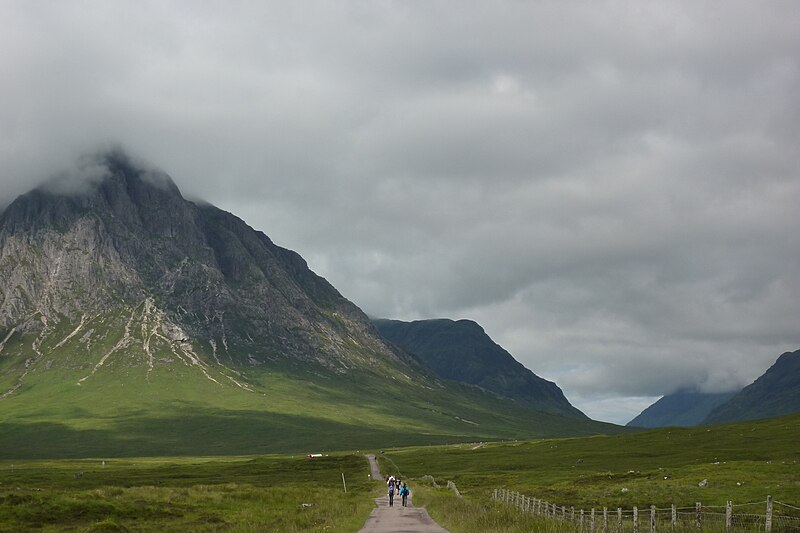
x=741 y=462
x=228 y=494
x=466 y=515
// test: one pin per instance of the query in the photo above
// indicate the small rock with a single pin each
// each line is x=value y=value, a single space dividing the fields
x=308 y=505
x=703 y=483
x=624 y=489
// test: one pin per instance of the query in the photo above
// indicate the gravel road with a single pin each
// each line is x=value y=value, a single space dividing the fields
x=397 y=519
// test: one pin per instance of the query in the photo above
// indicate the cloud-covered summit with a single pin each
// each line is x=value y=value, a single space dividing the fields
x=609 y=188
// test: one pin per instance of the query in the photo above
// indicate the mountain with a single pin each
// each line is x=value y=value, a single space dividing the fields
x=775 y=393
x=682 y=408
x=136 y=322
x=462 y=351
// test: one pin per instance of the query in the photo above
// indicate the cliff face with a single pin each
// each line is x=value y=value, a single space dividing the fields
x=130 y=254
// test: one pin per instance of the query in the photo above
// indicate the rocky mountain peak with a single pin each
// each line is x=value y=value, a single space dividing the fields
x=124 y=242
x=108 y=183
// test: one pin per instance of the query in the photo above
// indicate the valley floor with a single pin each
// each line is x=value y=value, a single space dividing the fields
x=742 y=463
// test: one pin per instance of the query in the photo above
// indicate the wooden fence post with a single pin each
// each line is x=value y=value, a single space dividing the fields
x=605 y=519
x=652 y=519
x=728 y=513
x=591 y=522
x=581 y=528
x=768 y=517
x=619 y=519
x=698 y=511
x=572 y=514
x=635 y=519
x=563 y=513
x=674 y=517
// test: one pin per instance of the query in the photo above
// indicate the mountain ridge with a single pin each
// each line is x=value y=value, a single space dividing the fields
x=775 y=393
x=461 y=350
x=684 y=408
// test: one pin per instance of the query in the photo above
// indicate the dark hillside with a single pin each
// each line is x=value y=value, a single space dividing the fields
x=680 y=409
x=462 y=351
x=776 y=393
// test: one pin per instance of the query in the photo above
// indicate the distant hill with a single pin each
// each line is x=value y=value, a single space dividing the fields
x=775 y=393
x=462 y=351
x=681 y=408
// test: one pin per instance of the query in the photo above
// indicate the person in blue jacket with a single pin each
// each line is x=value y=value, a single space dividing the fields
x=404 y=492
x=391 y=493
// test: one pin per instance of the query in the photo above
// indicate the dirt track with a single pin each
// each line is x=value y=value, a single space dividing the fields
x=397 y=519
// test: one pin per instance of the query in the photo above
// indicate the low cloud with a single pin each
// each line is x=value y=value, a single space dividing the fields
x=609 y=188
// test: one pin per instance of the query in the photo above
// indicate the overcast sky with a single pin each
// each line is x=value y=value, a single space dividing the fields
x=610 y=188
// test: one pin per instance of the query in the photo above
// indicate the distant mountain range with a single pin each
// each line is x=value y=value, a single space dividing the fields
x=680 y=409
x=462 y=351
x=775 y=393
x=136 y=322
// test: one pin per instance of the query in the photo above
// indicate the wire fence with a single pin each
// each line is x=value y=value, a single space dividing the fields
x=768 y=516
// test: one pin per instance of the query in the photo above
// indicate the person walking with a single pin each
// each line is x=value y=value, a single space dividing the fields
x=391 y=493
x=404 y=492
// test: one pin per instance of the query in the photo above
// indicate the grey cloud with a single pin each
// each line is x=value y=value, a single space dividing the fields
x=610 y=188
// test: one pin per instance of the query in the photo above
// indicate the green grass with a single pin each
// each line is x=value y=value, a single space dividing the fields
x=122 y=410
x=198 y=494
x=475 y=516
x=742 y=463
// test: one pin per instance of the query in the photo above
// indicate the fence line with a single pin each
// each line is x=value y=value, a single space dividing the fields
x=637 y=520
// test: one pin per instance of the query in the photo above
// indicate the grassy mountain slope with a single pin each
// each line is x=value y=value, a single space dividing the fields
x=775 y=393
x=462 y=351
x=123 y=410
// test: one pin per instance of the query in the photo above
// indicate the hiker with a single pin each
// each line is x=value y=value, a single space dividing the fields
x=391 y=493
x=404 y=493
